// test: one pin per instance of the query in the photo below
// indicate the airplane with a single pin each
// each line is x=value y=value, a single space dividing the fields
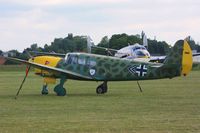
x=92 y=67
x=135 y=52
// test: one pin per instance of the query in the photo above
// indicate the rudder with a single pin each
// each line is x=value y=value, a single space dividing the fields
x=180 y=57
x=186 y=59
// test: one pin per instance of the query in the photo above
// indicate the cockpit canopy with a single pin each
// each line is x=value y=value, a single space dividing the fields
x=142 y=53
x=80 y=59
x=137 y=47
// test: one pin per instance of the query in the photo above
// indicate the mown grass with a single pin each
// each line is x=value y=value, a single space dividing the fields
x=165 y=106
x=6 y=68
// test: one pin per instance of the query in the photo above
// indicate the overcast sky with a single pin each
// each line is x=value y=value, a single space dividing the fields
x=24 y=22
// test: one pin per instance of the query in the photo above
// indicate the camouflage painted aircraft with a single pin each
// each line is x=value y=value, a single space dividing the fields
x=91 y=67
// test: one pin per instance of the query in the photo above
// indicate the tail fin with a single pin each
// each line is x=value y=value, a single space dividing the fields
x=145 y=42
x=180 y=57
x=90 y=43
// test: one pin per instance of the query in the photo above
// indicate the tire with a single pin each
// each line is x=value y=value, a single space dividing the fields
x=100 y=90
x=63 y=92
x=44 y=90
x=60 y=91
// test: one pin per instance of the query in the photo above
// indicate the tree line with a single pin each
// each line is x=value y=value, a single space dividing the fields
x=117 y=41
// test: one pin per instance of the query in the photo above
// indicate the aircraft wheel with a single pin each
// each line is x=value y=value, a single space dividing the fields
x=45 y=90
x=60 y=91
x=100 y=90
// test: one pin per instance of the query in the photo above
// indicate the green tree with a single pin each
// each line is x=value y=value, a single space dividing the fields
x=34 y=47
x=158 y=48
x=103 y=43
x=68 y=44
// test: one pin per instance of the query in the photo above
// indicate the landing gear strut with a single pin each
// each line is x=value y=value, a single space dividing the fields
x=139 y=86
x=27 y=70
x=59 y=89
x=102 y=88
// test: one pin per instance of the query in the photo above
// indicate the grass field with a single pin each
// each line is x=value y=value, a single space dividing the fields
x=165 y=106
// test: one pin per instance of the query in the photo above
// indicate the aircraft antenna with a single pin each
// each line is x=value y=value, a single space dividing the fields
x=139 y=86
x=27 y=70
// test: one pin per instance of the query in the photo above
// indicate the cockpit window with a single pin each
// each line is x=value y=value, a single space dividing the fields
x=71 y=59
x=136 y=48
x=139 y=47
x=91 y=62
x=140 y=53
x=81 y=61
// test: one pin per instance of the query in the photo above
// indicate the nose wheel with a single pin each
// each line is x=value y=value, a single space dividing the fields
x=102 y=88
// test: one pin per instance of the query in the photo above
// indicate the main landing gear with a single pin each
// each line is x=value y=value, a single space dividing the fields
x=102 y=88
x=59 y=89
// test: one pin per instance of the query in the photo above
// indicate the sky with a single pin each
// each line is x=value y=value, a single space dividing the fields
x=24 y=22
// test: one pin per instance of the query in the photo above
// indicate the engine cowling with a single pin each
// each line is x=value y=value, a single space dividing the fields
x=50 y=61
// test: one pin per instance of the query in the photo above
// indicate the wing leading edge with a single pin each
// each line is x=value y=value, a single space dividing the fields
x=67 y=73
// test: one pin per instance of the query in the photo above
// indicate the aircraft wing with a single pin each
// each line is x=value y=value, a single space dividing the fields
x=159 y=59
x=69 y=74
x=196 y=54
x=103 y=48
x=196 y=58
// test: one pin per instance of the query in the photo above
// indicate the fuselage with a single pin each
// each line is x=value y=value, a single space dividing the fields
x=105 y=68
